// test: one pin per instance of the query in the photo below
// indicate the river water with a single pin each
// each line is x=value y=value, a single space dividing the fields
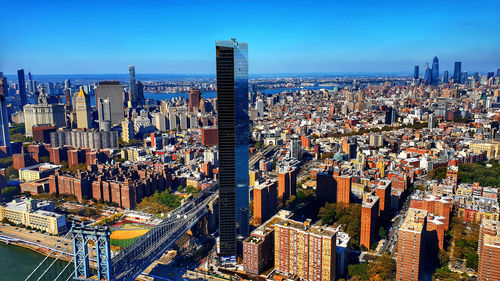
x=17 y=263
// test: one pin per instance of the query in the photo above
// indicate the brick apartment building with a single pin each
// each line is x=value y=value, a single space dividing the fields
x=369 y=220
x=287 y=183
x=123 y=185
x=264 y=201
x=304 y=250
x=489 y=251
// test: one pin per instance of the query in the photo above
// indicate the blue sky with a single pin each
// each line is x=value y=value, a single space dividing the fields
x=68 y=37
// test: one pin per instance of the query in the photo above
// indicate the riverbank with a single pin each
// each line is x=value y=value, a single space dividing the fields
x=40 y=250
x=39 y=246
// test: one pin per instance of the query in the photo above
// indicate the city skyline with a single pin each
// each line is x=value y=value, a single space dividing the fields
x=288 y=38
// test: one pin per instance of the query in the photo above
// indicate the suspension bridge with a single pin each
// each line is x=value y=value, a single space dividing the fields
x=91 y=246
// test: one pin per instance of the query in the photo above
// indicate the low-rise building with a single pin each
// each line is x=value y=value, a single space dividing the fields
x=37 y=172
x=35 y=214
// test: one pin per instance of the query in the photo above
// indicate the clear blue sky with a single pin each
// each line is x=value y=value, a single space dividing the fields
x=63 y=37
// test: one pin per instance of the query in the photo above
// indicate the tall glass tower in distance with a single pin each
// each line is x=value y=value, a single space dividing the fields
x=22 y=87
x=132 y=86
x=233 y=133
x=457 y=71
x=435 y=71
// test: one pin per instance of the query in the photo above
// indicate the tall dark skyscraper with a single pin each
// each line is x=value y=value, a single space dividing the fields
x=132 y=86
x=22 y=87
x=427 y=74
x=139 y=88
x=30 y=83
x=4 y=122
x=435 y=71
x=457 y=71
x=415 y=73
x=498 y=72
x=445 y=77
x=233 y=133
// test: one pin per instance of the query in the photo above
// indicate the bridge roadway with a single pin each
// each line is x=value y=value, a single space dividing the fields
x=133 y=260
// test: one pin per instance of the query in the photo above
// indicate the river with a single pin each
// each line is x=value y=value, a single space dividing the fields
x=17 y=263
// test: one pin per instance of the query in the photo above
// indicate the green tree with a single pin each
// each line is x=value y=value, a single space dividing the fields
x=438 y=173
x=472 y=260
x=358 y=270
x=258 y=145
x=384 y=267
x=9 y=192
x=11 y=173
x=44 y=159
x=5 y=162
x=382 y=232
x=443 y=257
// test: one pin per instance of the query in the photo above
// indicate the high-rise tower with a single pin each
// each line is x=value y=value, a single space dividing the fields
x=427 y=74
x=112 y=90
x=194 y=99
x=415 y=73
x=457 y=71
x=233 y=132
x=435 y=71
x=82 y=107
x=4 y=122
x=22 y=87
x=132 y=86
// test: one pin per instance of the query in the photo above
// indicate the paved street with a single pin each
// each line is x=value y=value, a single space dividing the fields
x=392 y=238
x=44 y=240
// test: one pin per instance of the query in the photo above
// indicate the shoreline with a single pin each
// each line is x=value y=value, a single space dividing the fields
x=40 y=250
x=53 y=255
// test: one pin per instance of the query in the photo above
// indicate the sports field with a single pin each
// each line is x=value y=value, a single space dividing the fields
x=125 y=233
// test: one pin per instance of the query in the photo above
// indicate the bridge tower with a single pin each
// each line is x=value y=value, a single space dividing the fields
x=82 y=235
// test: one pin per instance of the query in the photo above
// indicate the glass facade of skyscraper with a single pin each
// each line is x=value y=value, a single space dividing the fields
x=435 y=71
x=457 y=72
x=22 y=87
x=233 y=133
x=132 y=86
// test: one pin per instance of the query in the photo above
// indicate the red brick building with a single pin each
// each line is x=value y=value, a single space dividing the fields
x=383 y=191
x=23 y=160
x=369 y=220
x=75 y=157
x=343 y=184
x=264 y=201
x=258 y=249
x=305 y=251
x=209 y=136
x=437 y=205
x=123 y=185
x=41 y=133
x=194 y=99
x=287 y=183
x=409 y=259
x=489 y=251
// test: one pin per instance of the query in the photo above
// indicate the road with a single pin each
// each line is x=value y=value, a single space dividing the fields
x=257 y=156
x=38 y=239
x=392 y=239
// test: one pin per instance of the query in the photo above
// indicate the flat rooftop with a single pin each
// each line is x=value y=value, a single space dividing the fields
x=414 y=220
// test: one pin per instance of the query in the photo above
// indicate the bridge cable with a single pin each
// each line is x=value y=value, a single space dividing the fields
x=53 y=262
x=46 y=257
